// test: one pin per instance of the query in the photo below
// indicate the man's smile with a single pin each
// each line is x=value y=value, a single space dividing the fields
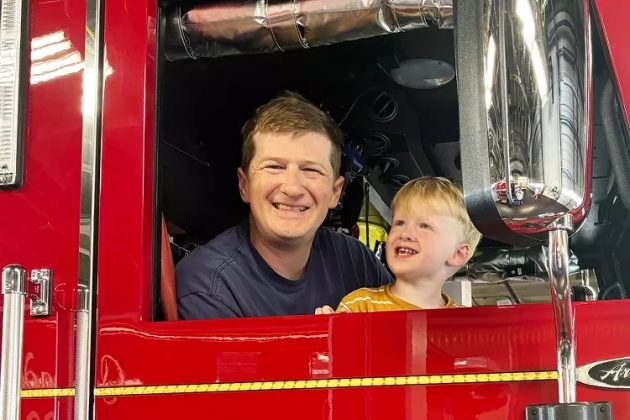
x=289 y=208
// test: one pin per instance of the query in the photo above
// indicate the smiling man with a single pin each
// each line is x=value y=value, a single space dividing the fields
x=280 y=261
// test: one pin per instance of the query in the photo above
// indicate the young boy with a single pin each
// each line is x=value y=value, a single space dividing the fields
x=430 y=239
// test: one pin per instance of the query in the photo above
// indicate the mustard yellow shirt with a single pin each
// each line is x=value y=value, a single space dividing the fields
x=380 y=299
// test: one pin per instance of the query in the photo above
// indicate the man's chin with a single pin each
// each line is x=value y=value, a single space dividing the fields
x=293 y=236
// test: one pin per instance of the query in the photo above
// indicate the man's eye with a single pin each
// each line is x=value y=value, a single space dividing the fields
x=276 y=167
x=313 y=170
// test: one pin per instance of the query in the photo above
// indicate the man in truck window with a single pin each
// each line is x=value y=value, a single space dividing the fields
x=280 y=261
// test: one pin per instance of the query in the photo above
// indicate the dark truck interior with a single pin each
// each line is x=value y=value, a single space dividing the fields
x=394 y=132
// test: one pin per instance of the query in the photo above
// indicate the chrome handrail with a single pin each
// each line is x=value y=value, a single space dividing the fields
x=563 y=312
x=90 y=189
x=14 y=291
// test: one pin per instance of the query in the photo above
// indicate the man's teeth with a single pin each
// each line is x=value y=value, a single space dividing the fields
x=406 y=251
x=289 y=208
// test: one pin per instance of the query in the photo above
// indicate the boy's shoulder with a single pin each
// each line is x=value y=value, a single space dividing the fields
x=365 y=299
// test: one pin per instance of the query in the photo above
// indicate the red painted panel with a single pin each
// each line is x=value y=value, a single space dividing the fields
x=39 y=223
x=133 y=351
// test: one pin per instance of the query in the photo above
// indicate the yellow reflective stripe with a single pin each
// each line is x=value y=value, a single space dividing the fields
x=47 y=393
x=471 y=378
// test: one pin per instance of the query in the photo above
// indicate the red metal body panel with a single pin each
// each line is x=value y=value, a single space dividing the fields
x=132 y=351
x=613 y=21
x=39 y=223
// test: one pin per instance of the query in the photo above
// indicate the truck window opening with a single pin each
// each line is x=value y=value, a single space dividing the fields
x=401 y=133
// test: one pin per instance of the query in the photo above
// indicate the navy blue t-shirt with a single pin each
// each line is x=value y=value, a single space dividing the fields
x=228 y=278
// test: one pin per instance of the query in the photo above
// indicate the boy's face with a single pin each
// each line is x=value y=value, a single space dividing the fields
x=423 y=244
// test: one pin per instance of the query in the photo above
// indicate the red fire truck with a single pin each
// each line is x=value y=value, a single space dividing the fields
x=118 y=115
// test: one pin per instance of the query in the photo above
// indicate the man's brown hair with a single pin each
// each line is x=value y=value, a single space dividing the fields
x=291 y=113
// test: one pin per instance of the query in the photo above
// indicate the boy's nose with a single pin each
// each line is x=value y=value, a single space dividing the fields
x=406 y=235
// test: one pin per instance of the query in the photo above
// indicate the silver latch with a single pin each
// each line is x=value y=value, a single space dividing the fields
x=40 y=300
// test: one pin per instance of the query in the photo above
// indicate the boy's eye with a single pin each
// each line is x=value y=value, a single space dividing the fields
x=399 y=223
x=423 y=226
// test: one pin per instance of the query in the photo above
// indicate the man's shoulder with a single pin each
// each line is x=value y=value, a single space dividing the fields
x=214 y=252
x=202 y=268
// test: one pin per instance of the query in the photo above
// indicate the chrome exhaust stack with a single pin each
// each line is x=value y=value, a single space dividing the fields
x=204 y=29
x=524 y=86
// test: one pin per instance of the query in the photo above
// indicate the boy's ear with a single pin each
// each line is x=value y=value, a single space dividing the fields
x=460 y=256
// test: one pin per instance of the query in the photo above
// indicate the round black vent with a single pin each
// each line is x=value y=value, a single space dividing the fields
x=375 y=144
x=383 y=107
x=397 y=181
x=387 y=164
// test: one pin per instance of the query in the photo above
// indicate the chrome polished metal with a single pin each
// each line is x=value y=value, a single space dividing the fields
x=82 y=364
x=263 y=26
x=13 y=42
x=14 y=291
x=524 y=86
x=576 y=411
x=40 y=303
x=561 y=302
x=90 y=189
x=532 y=79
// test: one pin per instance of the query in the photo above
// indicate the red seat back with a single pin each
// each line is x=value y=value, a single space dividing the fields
x=168 y=292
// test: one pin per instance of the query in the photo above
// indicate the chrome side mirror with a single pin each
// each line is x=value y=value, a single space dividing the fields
x=524 y=86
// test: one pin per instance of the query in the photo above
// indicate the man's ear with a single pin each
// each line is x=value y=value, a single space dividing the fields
x=460 y=256
x=337 y=187
x=243 y=184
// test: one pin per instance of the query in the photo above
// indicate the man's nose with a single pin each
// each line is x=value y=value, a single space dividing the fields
x=293 y=184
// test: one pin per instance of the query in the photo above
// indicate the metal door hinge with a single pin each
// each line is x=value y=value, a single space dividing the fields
x=40 y=300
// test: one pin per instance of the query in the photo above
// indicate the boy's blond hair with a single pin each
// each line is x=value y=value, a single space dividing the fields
x=441 y=196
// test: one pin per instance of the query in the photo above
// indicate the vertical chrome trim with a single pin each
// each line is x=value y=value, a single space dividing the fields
x=14 y=291
x=82 y=364
x=90 y=189
x=561 y=302
x=503 y=92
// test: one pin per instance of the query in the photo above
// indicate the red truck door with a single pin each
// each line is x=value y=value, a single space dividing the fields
x=40 y=219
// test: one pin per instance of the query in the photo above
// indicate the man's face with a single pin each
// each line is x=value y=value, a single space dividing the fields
x=424 y=244
x=289 y=185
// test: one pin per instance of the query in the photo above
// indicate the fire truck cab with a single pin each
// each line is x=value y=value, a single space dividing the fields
x=119 y=142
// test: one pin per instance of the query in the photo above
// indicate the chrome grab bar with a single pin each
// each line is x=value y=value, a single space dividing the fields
x=14 y=291
x=563 y=312
x=82 y=361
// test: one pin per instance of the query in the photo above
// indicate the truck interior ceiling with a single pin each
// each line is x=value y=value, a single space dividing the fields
x=395 y=103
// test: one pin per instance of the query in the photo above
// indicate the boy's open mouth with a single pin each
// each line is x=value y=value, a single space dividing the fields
x=294 y=209
x=405 y=251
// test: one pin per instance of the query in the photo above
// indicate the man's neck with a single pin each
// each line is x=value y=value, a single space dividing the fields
x=286 y=259
x=424 y=293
